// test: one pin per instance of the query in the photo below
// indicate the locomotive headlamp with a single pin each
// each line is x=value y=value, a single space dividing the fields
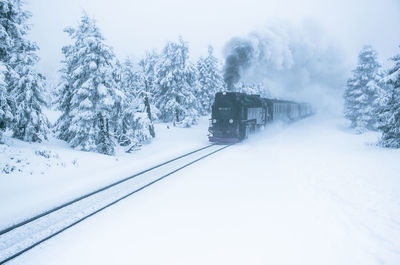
x=230 y=121
x=214 y=121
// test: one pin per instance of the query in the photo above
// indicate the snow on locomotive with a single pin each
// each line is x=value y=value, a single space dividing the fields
x=235 y=115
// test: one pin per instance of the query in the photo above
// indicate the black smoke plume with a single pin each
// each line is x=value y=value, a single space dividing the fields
x=237 y=61
x=292 y=62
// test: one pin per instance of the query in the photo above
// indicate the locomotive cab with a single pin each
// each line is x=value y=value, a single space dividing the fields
x=224 y=123
x=234 y=115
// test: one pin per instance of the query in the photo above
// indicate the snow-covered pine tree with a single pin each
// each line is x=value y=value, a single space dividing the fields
x=362 y=91
x=125 y=128
x=89 y=96
x=10 y=19
x=136 y=125
x=5 y=50
x=5 y=110
x=210 y=81
x=24 y=85
x=31 y=124
x=148 y=67
x=175 y=85
x=390 y=112
x=384 y=95
x=255 y=89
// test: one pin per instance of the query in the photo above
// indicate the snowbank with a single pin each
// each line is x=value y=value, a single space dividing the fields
x=35 y=177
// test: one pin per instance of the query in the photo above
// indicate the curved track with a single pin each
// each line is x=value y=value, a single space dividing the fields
x=19 y=238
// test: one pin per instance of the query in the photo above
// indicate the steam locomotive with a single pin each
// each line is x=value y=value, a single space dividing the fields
x=236 y=115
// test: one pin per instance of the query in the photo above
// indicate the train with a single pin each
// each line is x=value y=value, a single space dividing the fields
x=235 y=115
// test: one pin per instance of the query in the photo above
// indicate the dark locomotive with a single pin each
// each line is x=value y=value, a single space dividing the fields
x=235 y=115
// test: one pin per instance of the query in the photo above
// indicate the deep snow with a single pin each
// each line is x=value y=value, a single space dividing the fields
x=309 y=193
x=38 y=182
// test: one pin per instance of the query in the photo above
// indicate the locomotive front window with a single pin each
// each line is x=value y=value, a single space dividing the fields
x=225 y=108
x=224 y=113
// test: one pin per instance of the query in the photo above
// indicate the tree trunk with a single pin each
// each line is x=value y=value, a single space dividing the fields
x=148 y=110
x=176 y=115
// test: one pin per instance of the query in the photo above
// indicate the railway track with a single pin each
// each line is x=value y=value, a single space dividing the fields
x=21 y=237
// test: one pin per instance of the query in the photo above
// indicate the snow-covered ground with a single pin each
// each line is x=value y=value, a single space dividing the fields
x=36 y=177
x=308 y=193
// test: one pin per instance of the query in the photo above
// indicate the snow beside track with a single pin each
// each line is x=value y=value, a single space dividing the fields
x=308 y=193
x=48 y=174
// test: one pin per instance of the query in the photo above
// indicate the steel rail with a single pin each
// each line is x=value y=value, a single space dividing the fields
x=119 y=199
x=29 y=220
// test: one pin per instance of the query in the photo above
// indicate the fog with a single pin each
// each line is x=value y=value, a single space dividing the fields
x=333 y=29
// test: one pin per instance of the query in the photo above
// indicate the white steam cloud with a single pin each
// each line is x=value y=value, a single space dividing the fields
x=297 y=63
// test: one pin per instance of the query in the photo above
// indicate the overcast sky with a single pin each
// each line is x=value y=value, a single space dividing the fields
x=133 y=27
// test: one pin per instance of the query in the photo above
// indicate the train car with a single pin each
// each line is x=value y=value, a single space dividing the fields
x=236 y=115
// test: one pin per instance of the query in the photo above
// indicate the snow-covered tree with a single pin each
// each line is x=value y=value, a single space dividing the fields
x=25 y=85
x=89 y=95
x=210 y=81
x=254 y=88
x=148 y=67
x=382 y=100
x=5 y=110
x=31 y=124
x=7 y=28
x=362 y=91
x=10 y=19
x=390 y=112
x=176 y=85
x=136 y=124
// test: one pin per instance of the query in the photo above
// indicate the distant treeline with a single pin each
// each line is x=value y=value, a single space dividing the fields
x=103 y=101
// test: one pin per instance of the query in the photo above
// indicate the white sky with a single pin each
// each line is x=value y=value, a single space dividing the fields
x=134 y=27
